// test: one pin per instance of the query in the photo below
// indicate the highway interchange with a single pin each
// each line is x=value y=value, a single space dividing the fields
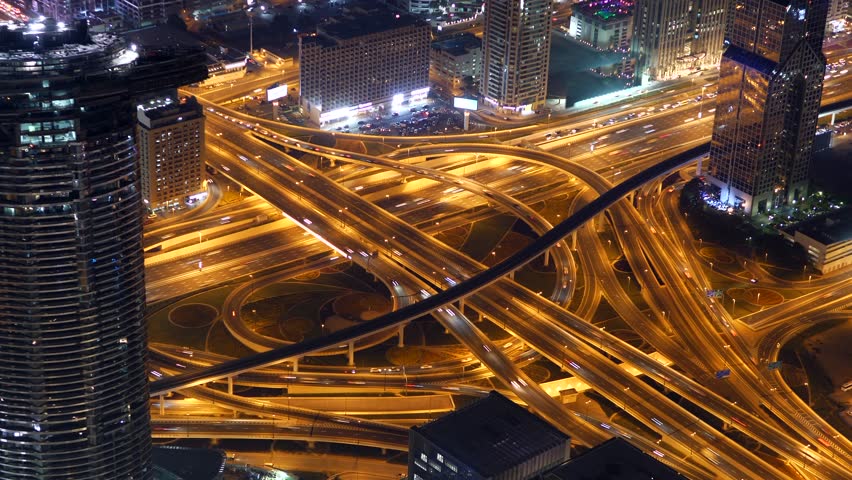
x=470 y=173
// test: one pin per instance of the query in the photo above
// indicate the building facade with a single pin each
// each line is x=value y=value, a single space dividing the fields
x=64 y=10
x=838 y=16
x=73 y=380
x=516 y=54
x=141 y=13
x=672 y=38
x=170 y=139
x=490 y=439
x=770 y=88
x=603 y=24
x=360 y=60
x=456 y=59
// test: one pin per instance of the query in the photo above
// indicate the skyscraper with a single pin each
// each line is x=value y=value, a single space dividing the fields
x=516 y=54
x=672 y=38
x=770 y=87
x=73 y=385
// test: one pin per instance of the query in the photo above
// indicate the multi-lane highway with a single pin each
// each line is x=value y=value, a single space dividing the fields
x=632 y=139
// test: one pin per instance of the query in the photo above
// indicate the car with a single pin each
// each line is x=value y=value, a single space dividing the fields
x=753 y=280
x=395 y=114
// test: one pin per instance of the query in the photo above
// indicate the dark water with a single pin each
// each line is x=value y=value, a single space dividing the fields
x=569 y=71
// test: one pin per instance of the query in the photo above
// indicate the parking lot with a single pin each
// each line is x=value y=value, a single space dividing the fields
x=425 y=119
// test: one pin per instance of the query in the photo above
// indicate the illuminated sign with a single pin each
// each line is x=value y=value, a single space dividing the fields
x=465 y=103
x=276 y=92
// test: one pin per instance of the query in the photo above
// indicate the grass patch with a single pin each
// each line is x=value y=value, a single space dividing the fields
x=220 y=341
x=485 y=235
x=162 y=330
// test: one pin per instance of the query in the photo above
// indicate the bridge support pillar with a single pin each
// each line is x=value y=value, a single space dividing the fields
x=546 y=257
x=461 y=306
x=311 y=444
x=296 y=364
x=401 y=338
x=574 y=240
x=351 y=353
x=512 y=274
x=162 y=404
x=230 y=385
x=833 y=118
x=385 y=450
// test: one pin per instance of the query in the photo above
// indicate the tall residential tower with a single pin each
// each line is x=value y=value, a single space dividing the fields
x=73 y=384
x=516 y=54
x=770 y=87
x=672 y=38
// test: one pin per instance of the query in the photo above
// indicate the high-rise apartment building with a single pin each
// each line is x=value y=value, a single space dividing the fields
x=362 y=59
x=170 y=138
x=63 y=10
x=672 y=38
x=770 y=87
x=73 y=380
x=516 y=54
x=838 y=14
x=141 y=13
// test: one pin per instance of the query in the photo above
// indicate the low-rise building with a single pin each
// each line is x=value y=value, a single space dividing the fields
x=455 y=59
x=492 y=438
x=615 y=459
x=170 y=139
x=827 y=240
x=603 y=24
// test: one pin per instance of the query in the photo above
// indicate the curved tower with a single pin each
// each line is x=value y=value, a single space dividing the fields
x=73 y=385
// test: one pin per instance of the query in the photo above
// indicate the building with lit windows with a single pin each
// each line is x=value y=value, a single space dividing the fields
x=838 y=16
x=603 y=24
x=770 y=88
x=492 y=438
x=362 y=59
x=673 y=38
x=516 y=54
x=170 y=139
x=73 y=379
x=455 y=59
x=140 y=13
x=63 y=10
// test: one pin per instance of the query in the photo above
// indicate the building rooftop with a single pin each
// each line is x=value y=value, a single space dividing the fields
x=458 y=44
x=492 y=434
x=162 y=36
x=358 y=22
x=187 y=463
x=614 y=459
x=606 y=10
x=827 y=229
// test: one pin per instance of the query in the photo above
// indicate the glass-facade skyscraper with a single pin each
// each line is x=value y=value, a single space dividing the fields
x=516 y=54
x=770 y=87
x=73 y=383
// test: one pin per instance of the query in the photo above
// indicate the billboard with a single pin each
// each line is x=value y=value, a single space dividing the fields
x=465 y=103
x=274 y=93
